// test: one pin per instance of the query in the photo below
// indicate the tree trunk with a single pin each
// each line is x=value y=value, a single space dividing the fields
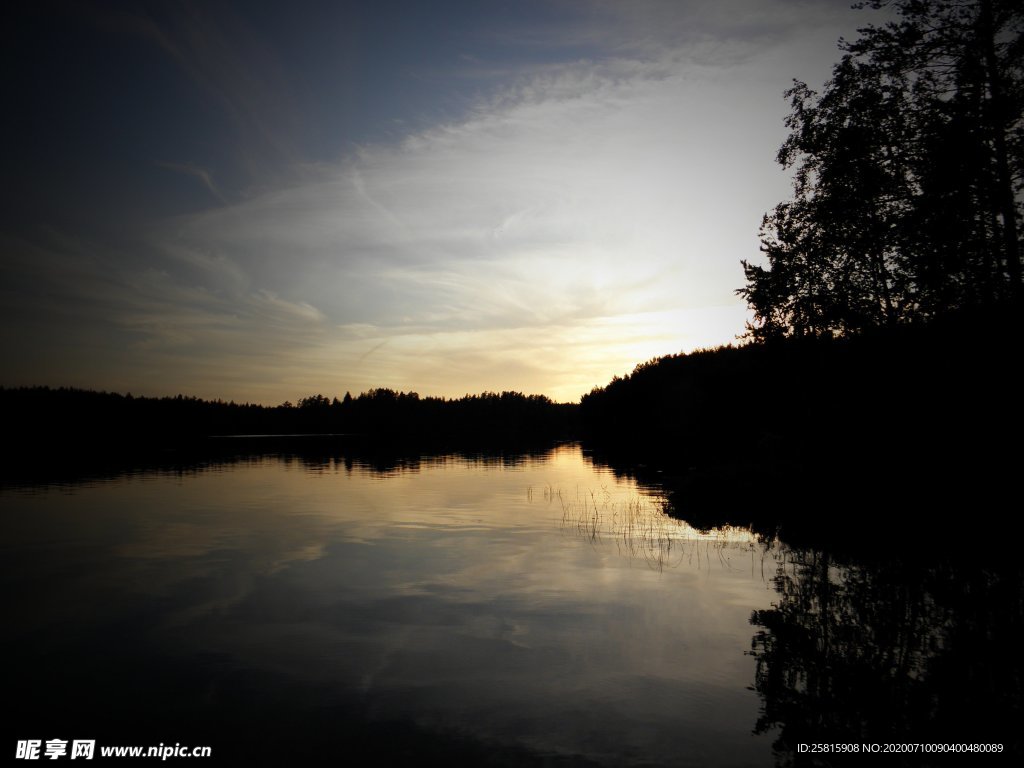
x=997 y=123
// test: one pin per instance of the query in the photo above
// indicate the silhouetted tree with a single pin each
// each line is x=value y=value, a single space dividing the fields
x=907 y=177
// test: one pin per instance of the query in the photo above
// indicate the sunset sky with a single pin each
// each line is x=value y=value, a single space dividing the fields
x=261 y=201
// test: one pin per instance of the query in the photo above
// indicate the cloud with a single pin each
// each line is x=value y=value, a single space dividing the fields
x=556 y=208
x=581 y=218
x=232 y=70
x=205 y=176
x=712 y=32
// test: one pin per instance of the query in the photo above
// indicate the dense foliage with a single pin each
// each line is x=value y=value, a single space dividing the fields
x=41 y=415
x=777 y=433
x=908 y=172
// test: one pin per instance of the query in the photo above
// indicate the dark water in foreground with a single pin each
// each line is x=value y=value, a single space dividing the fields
x=535 y=610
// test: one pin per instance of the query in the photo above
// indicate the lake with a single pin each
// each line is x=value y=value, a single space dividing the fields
x=534 y=609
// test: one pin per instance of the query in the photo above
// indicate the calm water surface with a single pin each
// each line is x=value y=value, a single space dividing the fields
x=539 y=607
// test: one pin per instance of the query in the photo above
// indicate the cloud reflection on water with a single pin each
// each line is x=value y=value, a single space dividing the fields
x=450 y=597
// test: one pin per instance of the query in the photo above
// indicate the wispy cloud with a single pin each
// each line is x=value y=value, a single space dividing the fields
x=204 y=176
x=234 y=72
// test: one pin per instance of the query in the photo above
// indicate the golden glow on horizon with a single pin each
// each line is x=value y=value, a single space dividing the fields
x=562 y=361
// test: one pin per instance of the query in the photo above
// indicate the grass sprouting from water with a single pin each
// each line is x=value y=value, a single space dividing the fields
x=640 y=528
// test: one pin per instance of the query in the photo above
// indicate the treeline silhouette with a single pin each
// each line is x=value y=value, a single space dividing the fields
x=44 y=418
x=797 y=432
x=785 y=434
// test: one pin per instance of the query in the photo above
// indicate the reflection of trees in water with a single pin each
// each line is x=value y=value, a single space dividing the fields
x=889 y=652
x=315 y=454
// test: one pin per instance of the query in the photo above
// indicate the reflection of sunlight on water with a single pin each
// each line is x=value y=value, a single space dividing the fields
x=640 y=528
x=434 y=595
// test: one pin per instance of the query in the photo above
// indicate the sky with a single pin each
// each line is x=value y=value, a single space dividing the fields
x=262 y=201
